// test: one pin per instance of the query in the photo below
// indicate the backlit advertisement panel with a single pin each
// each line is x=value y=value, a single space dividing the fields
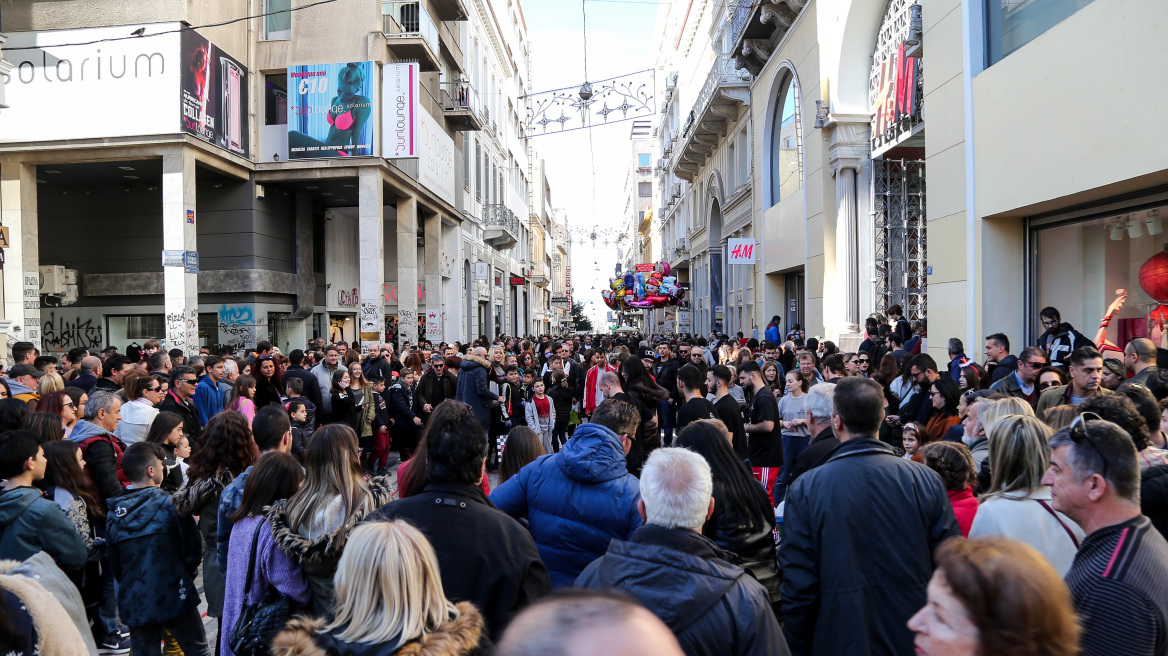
x=330 y=110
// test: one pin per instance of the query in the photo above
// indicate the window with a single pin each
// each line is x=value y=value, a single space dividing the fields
x=644 y=188
x=743 y=167
x=1011 y=24
x=786 y=176
x=278 y=25
x=466 y=161
x=478 y=167
x=276 y=99
x=731 y=162
x=643 y=159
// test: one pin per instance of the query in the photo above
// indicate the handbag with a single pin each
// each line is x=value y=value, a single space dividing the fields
x=258 y=623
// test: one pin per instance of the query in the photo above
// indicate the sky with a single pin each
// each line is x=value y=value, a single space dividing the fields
x=620 y=41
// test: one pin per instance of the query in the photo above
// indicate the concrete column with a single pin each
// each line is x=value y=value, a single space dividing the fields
x=848 y=150
x=371 y=247
x=178 y=234
x=846 y=246
x=18 y=213
x=305 y=276
x=407 y=270
x=432 y=268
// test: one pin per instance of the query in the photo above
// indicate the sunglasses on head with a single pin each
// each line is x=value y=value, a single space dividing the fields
x=1079 y=434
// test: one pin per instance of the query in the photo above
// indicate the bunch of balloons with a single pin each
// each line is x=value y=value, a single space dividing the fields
x=643 y=289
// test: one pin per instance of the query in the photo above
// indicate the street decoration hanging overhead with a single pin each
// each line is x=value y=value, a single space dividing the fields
x=596 y=103
x=643 y=289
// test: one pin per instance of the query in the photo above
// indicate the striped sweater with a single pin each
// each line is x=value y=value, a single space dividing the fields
x=1119 y=585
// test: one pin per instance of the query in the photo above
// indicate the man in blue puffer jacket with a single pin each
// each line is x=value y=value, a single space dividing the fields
x=580 y=499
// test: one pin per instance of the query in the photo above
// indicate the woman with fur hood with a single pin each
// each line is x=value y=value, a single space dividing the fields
x=314 y=524
x=227 y=450
x=389 y=601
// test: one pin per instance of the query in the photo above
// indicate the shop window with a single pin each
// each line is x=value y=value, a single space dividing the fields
x=1011 y=24
x=278 y=21
x=786 y=174
x=148 y=326
x=1077 y=267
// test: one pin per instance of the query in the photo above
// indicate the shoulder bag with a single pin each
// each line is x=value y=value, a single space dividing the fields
x=258 y=623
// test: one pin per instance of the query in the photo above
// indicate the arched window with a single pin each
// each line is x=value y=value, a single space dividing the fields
x=786 y=139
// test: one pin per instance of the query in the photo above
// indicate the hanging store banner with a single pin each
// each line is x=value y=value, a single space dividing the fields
x=330 y=111
x=214 y=94
x=117 y=88
x=399 y=116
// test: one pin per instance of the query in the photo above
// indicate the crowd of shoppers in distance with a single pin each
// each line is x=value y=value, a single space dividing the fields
x=598 y=494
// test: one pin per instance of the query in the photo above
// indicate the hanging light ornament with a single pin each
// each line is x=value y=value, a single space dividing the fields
x=586 y=91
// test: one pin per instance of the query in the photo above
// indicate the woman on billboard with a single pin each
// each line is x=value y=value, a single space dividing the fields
x=347 y=115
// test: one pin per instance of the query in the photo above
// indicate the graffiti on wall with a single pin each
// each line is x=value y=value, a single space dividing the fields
x=61 y=333
x=238 y=327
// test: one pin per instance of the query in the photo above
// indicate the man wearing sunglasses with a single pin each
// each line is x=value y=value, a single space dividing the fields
x=1086 y=373
x=1119 y=581
x=1022 y=382
x=435 y=386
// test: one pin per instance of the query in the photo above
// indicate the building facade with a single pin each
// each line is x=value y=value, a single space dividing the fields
x=356 y=175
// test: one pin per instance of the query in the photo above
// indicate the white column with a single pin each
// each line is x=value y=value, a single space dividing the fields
x=18 y=213
x=180 y=288
x=432 y=268
x=407 y=270
x=371 y=246
x=846 y=245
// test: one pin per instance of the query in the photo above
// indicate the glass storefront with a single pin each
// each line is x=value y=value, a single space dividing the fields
x=1080 y=263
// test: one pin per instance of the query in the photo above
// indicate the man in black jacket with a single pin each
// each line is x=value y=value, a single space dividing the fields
x=723 y=610
x=296 y=370
x=666 y=374
x=178 y=400
x=1060 y=339
x=435 y=386
x=486 y=557
x=843 y=591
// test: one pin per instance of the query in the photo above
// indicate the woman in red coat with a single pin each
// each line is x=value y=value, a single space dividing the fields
x=953 y=462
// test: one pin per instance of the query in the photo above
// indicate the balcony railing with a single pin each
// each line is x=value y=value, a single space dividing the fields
x=460 y=100
x=409 y=20
x=500 y=226
x=739 y=18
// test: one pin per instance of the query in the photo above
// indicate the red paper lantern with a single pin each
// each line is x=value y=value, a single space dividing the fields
x=1154 y=277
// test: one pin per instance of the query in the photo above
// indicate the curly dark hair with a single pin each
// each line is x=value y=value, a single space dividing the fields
x=226 y=446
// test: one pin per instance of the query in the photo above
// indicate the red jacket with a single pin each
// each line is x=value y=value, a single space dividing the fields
x=590 y=382
x=965 y=507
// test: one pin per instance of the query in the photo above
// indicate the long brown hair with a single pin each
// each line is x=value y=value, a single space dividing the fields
x=332 y=469
x=226 y=446
x=1019 y=604
x=237 y=391
x=522 y=448
x=65 y=472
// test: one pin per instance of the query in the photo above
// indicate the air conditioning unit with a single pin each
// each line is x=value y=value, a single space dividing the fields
x=671 y=81
x=676 y=190
x=663 y=163
x=668 y=147
x=53 y=279
x=664 y=106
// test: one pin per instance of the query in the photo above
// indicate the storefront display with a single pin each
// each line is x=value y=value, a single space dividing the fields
x=1081 y=264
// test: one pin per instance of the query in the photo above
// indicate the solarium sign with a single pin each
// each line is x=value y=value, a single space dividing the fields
x=103 y=88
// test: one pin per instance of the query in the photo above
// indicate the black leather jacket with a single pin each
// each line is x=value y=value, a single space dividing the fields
x=751 y=538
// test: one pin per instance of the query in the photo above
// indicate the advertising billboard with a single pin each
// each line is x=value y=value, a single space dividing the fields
x=96 y=89
x=214 y=94
x=330 y=110
x=399 y=120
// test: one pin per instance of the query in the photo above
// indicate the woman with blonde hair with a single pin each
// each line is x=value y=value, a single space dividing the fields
x=993 y=410
x=995 y=596
x=49 y=383
x=389 y=600
x=1017 y=504
x=314 y=524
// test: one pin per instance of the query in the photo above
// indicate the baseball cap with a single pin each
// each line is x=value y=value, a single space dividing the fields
x=646 y=353
x=24 y=370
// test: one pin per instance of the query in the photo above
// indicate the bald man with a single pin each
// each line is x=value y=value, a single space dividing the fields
x=593 y=623
x=1139 y=356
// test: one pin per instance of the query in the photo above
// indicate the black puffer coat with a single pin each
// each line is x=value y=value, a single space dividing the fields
x=857 y=550
x=711 y=605
x=749 y=539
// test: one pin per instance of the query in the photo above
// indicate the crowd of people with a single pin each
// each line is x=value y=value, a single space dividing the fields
x=590 y=495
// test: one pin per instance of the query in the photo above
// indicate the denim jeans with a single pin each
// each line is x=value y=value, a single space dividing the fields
x=666 y=420
x=186 y=628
